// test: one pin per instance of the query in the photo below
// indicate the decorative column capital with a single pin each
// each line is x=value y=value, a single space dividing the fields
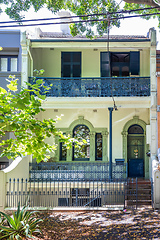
x=105 y=133
x=92 y=134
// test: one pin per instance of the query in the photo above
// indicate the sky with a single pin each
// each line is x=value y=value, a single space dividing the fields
x=131 y=26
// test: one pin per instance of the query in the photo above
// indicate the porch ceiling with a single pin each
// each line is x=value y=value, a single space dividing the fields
x=94 y=102
x=88 y=45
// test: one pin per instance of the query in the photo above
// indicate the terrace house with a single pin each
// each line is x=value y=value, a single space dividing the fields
x=106 y=91
x=88 y=80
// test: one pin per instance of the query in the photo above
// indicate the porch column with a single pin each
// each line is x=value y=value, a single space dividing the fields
x=153 y=108
x=24 y=45
x=69 y=151
x=56 y=156
x=92 y=146
x=124 y=134
x=110 y=142
x=105 y=146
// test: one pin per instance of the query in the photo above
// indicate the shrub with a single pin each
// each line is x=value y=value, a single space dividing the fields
x=21 y=225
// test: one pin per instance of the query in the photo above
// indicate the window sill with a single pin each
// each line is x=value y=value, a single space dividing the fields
x=9 y=73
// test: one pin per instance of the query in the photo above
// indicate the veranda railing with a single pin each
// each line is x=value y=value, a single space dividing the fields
x=73 y=171
x=95 y=86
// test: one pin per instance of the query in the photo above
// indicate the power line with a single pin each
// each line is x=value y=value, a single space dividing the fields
x=80 y=21
x=81 y=16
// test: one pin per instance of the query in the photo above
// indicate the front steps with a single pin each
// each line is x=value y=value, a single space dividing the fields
x=138 y=192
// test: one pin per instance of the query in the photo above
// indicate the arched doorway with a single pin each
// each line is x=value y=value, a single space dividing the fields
x=135 y=151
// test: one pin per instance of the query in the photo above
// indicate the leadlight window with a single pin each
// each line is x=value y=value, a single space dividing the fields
x=98 y=146
x=81 y=152
x=63 y=151
x=8 y=63
x=135 y=129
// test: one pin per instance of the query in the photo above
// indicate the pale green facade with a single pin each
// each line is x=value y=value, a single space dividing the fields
x=49 y=58
x=93 y=111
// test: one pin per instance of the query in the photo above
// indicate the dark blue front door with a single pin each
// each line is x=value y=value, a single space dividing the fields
x=135 y=168
x=135 y=152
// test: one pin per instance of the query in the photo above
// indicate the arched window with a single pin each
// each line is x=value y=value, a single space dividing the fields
x=135 y=129
x=94 y=148
x=81 y=152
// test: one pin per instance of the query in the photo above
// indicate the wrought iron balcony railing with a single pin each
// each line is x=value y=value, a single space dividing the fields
x=74 y=171
x=96 y=87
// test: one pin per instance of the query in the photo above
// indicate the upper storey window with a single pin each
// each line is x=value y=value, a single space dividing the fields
x=119 y=64
x=71 y=64
x=8 y=63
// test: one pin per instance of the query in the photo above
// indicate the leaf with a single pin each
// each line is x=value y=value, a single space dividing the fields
x=43 y=97
x=12 y=87
x=39 y=81
x=2 y=90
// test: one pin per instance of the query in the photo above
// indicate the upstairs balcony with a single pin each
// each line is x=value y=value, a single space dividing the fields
x=96 y=86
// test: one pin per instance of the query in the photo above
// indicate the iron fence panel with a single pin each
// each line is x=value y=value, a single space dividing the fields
x=51 y=194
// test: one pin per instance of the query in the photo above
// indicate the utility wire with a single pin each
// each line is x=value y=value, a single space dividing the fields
x=81 y=21
x=80 y=16
x=109 y=62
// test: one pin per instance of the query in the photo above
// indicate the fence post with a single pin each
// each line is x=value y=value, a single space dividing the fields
x=2 y=191
x=156 y=191
x=136 y=192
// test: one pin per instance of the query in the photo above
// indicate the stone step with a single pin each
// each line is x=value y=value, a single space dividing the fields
x=138 y=193
x=139 y=202
x=146 y=198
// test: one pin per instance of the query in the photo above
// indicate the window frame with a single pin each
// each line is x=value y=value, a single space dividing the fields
x=61 y=158
x=92 y=134
x=98 y=158
x=71 y=63
x=9 y=57
x=80 y=159
x=133 y=64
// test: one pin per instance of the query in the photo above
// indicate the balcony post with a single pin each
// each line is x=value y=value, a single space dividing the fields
x=110 y=142
x=105 y=146
x=24 y=67
x=92 y=146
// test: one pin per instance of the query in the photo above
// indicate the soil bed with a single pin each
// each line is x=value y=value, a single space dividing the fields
x=143 y=223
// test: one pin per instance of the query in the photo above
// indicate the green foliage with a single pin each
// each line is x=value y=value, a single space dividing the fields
x=79 y=7
x=21 y=225
x=18 y=114
x=91 y=7
x=132 y=6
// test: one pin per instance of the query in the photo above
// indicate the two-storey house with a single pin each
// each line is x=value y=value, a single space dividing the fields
x=105 y=88
x=89 y=78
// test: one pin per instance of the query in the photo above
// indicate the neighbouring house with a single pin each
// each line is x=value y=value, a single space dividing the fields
x=158 y=98
x=10 y=64
x=107 y=94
